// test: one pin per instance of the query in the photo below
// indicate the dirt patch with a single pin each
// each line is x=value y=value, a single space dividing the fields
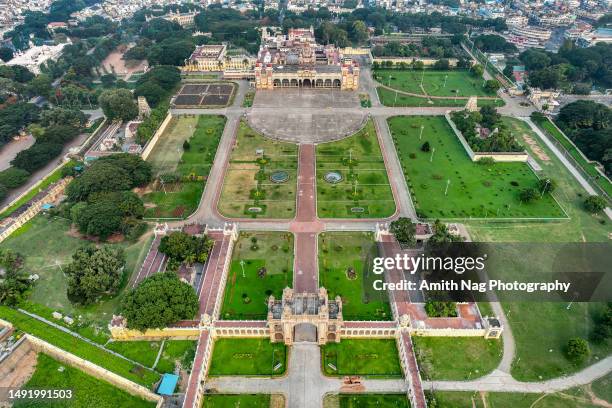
x=116 y=64
x=18 y=367
x=277 y=401
x=535 y=147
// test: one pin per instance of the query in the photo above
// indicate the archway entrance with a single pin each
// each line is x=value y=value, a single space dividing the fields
x=305 y=333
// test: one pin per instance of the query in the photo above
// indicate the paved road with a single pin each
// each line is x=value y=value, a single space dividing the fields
x=305 y=385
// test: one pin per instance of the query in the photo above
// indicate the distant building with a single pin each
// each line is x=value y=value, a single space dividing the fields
x=215 y=58
x=185 y=20
x=33 y=57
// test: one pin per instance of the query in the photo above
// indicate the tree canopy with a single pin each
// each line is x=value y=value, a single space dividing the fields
x=160 y=300
x=118 y=104
x=94 y=272
x=404 y=231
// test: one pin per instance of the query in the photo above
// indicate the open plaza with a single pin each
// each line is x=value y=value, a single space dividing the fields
x=295 y=209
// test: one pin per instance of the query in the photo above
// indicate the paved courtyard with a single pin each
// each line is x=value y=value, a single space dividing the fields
x=306 y=126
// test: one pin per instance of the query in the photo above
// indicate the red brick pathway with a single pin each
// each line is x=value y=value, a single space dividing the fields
x=306 y=226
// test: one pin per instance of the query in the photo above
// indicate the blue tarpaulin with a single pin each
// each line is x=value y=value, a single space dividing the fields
x=168 y=384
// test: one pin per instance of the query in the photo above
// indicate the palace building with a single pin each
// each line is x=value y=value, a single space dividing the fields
x=295 y=60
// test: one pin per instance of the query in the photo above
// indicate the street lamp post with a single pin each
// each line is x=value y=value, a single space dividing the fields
x=242 y=266
x=421 y=134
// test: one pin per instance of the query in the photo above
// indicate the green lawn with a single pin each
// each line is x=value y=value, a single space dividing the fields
x=457 y=358
x=248 y=357
x=272 y=251
x=366 y=401
x=541 y=356
x=144 y=352
x=87 y=391
x=364 y=191
x=368 y=357
x=436 y=83
x=182 y=351
x=339 y=251
x=573 y=398
x=588 y=167
x=236 y=401
x=474 y=190
x=180 y=199
x=47 y=242
x=248 y=190
x=79 y=347
x=390 y=98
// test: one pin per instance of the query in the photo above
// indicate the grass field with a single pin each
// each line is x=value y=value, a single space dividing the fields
x=174 y=351
x=47 y=243
x=364 y=191
x=458 y=358
x=236 y=401
x=366 y=401
x=248 y=190
x=79 y=347
x=270 y=250
x=339 y=251
x=391 y=98
x=474 y=190
x=144 y=352
x=588 y=167
x=544 y=355
x=248 y=357
x=180 y=199
x=435 y=83
x=579 y=397
x=87 y=391
x=368 y=357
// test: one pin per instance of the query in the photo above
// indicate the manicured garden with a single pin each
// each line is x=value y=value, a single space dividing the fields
x=261 y=177
x=352 y=179
x=456 y=358
x=389 y=97
x=87 y=391
x=345 y=271
x=445 y=183
x=366 y=401
x=47 y=243
x=262 y=265
x=255 y=357
x=79 y=347
x=368 y=357
x=435 y=83
x=236 y=400
x=589 y=168
x=181 y=161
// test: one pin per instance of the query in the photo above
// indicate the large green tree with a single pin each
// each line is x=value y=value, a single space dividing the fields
x=404 y=230
x=160 y=300
x=94 y=272
x=118 y=104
